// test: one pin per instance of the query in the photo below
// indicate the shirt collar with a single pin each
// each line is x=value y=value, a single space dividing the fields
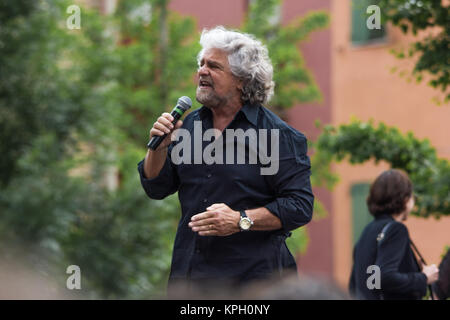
x=250 y=112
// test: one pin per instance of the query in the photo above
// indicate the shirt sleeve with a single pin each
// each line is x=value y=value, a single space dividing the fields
x=390 y=254
x=162 y=185
x=293 y=203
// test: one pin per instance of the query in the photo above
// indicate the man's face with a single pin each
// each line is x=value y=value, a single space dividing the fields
x=217 y=86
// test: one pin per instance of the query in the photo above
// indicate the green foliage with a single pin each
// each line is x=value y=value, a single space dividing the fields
x=444 y=253
x=298 y=241
x=360 y=142
x=21 y=72
x=155 y=68
x=62 y=110
x=294 y=82
x=432 y=52
x=75 y=106
x=120 y=240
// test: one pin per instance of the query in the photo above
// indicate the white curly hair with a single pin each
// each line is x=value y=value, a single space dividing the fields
x=248 y=58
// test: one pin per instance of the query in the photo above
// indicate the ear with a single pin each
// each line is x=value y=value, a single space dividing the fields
x=240 y=85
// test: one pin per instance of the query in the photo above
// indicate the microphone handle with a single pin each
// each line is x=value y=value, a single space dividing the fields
x=155 y=141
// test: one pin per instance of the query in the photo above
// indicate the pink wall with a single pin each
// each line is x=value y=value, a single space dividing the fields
x=208 y=14
x=318 y=258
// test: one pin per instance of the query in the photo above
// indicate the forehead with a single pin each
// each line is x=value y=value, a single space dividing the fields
x=215 y=55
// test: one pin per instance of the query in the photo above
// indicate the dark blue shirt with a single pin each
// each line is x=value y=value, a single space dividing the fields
x=287 y=194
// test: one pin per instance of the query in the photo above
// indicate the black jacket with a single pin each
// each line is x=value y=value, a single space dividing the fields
x=399 y=272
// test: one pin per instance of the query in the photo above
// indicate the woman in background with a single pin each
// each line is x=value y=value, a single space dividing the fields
x=385 y=243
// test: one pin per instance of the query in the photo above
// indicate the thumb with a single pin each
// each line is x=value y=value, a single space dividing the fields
x=178 y=124
x=173 y=134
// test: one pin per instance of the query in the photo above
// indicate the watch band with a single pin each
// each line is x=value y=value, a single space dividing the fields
x=243 y=214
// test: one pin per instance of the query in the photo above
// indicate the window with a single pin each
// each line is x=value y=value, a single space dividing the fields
x=361 y=34
x=360 y=214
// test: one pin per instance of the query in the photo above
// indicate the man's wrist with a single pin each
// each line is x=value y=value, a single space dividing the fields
x=158 y=150
x=238 y=217
x=245 y=223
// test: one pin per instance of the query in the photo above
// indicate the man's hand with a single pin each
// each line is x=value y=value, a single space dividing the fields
x=155 y=159
x=217 y=220
x=164 y=126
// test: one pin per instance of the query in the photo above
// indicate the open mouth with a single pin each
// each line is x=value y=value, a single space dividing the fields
x=204 y=84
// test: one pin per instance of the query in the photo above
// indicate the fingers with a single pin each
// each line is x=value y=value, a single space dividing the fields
x=206 y=227
x=166 y=116
x=175 y=132
x=203 y=224
x=208 y=233
x=217 y=220
x=203 y=215
x=163 y=125
x=216 y=206
x=166 y=120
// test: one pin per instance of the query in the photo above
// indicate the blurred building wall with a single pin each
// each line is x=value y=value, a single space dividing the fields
x=318 y=258
x=212 y=13
x=363 y=86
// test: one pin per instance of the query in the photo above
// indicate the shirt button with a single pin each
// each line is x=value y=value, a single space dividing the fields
x=197 y=250
x=209 y=175
x=205 y=200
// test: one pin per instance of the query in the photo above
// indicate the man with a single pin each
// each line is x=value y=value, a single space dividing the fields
x=235 y=218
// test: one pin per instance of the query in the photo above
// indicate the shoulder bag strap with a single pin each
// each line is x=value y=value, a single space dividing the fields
x=416 y=251
x=381 y=236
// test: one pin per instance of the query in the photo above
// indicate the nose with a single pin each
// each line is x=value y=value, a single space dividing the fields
x=203 y=70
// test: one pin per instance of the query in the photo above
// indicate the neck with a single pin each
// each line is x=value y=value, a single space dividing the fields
x=398 y=217
x=223 y=115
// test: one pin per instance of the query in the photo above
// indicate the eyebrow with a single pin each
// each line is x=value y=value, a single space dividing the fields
x=212 y=63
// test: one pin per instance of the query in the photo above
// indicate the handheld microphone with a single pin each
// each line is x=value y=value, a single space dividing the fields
x=183 y=104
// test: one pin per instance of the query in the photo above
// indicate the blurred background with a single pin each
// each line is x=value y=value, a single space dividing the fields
x=81 y=83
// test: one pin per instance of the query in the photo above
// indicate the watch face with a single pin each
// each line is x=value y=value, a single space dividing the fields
x=245 y=223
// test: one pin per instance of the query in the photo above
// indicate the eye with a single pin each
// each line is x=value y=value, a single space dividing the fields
x=215 y=67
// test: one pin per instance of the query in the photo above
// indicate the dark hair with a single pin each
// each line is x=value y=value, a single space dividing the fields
x=442 y=286
x=389 y=192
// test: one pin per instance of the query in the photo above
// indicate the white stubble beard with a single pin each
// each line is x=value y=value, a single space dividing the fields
x=208 y=98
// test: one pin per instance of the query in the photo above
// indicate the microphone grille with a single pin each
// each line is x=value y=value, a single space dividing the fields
x=184 y=102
